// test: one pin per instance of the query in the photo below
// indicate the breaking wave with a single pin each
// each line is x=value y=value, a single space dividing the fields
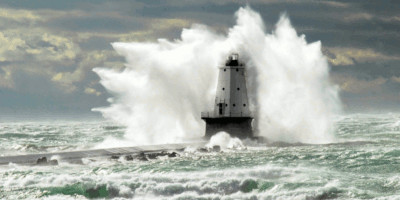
x=166 y=84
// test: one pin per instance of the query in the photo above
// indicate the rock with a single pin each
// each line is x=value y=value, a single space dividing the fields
x=41 y=161
x=216 y=148
x=173 y=155
x=152 y=155
x=149 y=156
x=52 y=162
x=142 y=157
x=129 y=157
x=204 y=150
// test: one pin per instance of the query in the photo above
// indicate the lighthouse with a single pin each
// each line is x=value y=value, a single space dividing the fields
x=231 y=108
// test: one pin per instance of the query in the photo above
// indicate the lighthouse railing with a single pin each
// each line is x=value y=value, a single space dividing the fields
x=230 y=114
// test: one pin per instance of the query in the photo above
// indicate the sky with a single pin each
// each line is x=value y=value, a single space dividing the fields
x=48 y=48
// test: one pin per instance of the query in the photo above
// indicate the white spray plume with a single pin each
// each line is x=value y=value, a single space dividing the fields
x=225 y=141
x=293 y=97
x=166 y=84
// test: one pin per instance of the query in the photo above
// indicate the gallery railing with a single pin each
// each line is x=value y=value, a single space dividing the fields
x=230 y=114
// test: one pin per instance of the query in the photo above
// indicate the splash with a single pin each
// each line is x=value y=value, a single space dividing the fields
x=293 y=97
x=225 y=141
x=166 y=84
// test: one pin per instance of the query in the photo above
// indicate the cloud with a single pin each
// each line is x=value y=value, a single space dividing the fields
x=354 y=85
x=6 y=80
x=19 y=15
x=92 y=91
x=152 y=29
x=162 y=24
x=59 y=43
x=351 y=17
x=9 y=45
x=37 y=44
x=53 y=56
x=395 y=79
x=89 y=60
x=59 y=47
x=33 y=51
x=335 y=4
x=350 y=56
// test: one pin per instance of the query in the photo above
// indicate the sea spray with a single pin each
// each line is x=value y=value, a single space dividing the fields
x=225 y=141
x=293 y=99
x=166 y=84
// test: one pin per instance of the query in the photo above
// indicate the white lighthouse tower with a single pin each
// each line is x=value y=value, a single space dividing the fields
x=231 y=109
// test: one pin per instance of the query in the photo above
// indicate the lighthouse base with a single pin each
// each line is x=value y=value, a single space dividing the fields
x=236 y=126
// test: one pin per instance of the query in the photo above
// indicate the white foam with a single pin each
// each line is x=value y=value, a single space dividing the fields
x=224 y=183
x=225 y=141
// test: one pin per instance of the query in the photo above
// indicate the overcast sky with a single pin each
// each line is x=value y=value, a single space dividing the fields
x=48 y=48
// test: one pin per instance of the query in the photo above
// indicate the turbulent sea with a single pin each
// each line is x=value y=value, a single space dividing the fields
x=363 y=163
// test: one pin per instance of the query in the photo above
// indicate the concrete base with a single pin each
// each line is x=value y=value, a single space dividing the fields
x=236 y=126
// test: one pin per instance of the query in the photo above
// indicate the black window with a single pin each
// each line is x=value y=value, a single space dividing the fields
x=234 y=105
x=223 y=88
x=244 y=105
x=224 y=70
x=226 y=104
x=237 y=70
x=238 y=88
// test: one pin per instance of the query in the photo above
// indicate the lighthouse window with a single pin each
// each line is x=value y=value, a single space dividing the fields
x=234 y=105
x=244 y=105
x=238 y=88
x=223 y=88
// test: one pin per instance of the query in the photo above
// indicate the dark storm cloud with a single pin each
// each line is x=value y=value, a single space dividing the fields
x=48 y=48
x=370 y=70
x=97 y=42
x=383 y=7
x=49 y=4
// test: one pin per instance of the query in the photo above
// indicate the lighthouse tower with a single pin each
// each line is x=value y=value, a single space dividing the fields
x=231 y=108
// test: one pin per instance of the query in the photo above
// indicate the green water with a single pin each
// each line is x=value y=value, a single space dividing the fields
x=363 y=163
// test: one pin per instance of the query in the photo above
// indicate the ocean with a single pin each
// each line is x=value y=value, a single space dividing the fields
x=362 y=163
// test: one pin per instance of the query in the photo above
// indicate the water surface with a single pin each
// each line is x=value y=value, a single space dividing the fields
x=364 y=163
